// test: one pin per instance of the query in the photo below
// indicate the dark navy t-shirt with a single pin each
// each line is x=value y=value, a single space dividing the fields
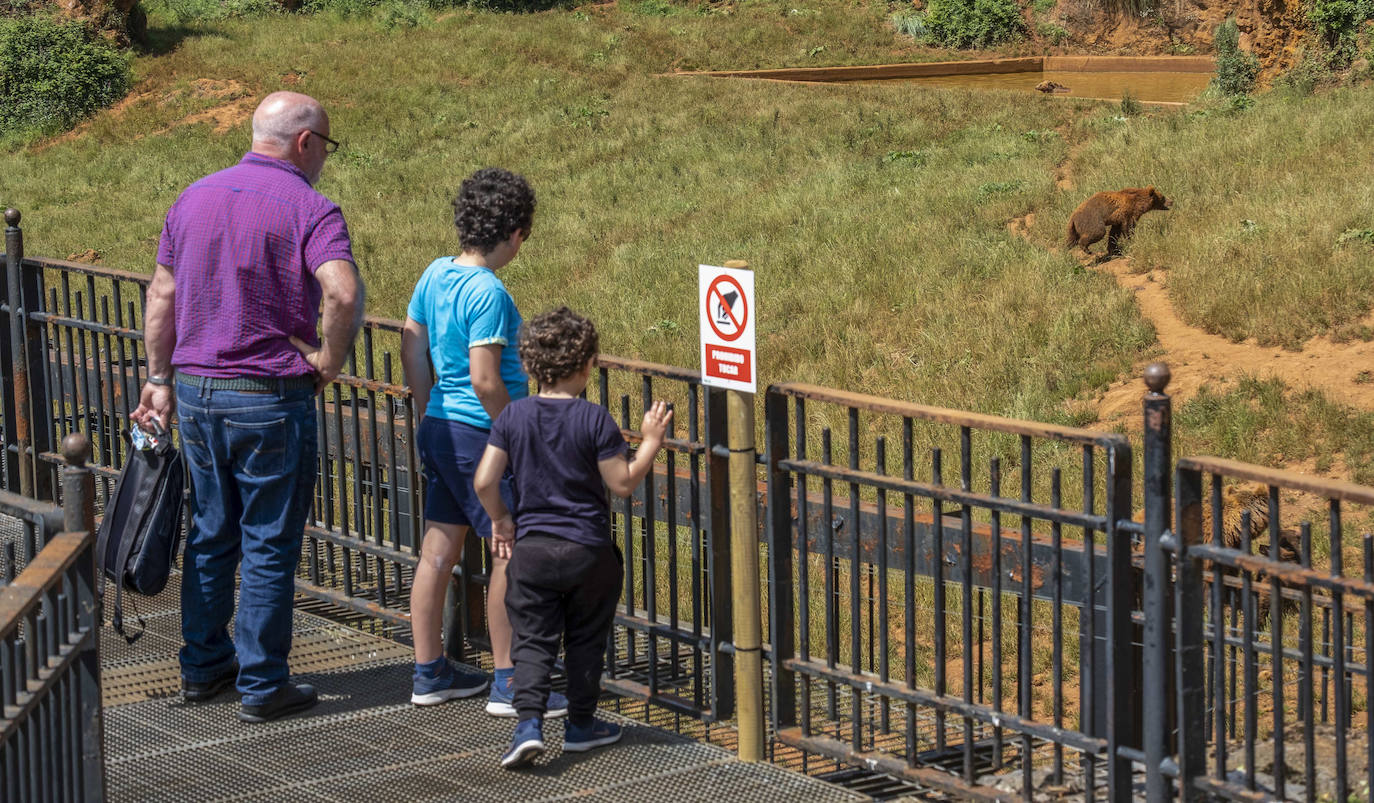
x=554 y=447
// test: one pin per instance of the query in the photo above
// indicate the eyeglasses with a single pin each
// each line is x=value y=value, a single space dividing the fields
x=330 y=145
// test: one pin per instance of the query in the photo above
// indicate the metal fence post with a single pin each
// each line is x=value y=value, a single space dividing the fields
x=718 y=546
x=1190 y=669
x=78 y=485
x=1119 y=677
x=78 y=515
x=465 y=603
x=1156 y=597
x=41 y=429
x=781 y=605
x=18 y=416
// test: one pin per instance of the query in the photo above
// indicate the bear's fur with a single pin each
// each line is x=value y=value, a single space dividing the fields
x=1236 y=502
x=1112 y=215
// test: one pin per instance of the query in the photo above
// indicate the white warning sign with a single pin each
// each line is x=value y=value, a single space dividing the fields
x=727 y=327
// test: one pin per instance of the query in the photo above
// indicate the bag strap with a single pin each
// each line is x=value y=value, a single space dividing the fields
x=106 y=524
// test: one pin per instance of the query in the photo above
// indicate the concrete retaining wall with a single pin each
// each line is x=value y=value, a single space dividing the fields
x=879 y=72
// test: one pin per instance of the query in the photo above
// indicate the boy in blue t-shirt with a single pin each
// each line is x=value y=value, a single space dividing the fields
x=564 y=574
x=462 y=320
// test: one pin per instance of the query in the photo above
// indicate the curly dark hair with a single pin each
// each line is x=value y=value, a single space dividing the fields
x=556 y=344
x=492 y=204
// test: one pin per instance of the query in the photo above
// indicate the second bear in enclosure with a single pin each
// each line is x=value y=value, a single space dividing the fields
x=1111 y=215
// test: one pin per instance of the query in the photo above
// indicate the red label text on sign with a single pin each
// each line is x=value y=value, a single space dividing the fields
x=723 y=362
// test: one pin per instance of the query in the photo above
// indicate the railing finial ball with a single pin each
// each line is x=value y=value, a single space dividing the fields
x=12 y=216
x=1157 y=376
x=76 y=449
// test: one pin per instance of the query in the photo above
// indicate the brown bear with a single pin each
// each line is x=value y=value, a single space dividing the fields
x=1112 y=214
x=1236 y=502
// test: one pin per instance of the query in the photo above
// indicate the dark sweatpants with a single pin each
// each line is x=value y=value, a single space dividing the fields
x=560 y=589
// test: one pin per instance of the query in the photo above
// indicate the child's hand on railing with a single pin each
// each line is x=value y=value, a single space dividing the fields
x=655 y=425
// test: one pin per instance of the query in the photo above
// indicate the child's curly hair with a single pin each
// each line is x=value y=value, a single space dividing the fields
x=492 y=204
x=555 y=345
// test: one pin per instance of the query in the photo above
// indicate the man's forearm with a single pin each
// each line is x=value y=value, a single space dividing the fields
x=159 y=322
x=339 y=326
x=344 y=302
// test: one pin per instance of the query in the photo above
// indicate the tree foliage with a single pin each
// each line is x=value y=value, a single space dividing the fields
x=53 y=73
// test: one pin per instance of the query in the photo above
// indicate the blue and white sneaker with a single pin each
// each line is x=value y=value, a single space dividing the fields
x=597 y=734
x=501 y=701
x=527 y=745
x=451 y=683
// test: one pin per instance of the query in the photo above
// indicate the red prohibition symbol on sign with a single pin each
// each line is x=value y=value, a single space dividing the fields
x=721 y=296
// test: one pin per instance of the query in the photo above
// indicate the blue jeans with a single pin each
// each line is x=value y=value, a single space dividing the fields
x=252 y=462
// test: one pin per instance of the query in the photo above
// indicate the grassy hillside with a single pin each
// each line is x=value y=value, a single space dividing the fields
x=875 y=216
x=1271 y=235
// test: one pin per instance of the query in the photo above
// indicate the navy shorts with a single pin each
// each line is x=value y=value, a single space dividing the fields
x=450 y=451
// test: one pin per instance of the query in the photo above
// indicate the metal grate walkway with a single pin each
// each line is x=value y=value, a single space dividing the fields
x=364 y=741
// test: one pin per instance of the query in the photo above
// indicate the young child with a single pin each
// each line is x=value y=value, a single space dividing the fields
x=564 y=574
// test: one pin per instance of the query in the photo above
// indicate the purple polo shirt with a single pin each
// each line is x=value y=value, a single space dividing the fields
x=243 y=245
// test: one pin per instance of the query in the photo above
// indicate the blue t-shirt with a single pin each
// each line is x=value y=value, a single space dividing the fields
x=465 y=306
x=554 y=447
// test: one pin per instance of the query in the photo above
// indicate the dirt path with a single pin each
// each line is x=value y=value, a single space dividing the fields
x=1344 y=371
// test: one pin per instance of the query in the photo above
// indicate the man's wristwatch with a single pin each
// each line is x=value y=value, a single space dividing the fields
x=163 y=381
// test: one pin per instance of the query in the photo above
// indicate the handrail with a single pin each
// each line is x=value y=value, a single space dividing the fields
x=44 y=572
x=1330 y=489
x=40 y=513
x=943 y=415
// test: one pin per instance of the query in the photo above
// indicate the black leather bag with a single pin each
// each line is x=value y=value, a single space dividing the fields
x=138 y=537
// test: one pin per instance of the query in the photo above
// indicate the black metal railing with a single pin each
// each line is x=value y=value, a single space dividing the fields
x=51 y=736
x=76 y=342
x=1012 y=625
x=1273 y=640
x=674 y=538
x=905 y=597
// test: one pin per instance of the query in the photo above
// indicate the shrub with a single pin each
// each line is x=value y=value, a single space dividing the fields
x=911 y=23
x=1338 y=22
x=54 y=73
x=1311 y=71
x=403 y=14
x=1236 y=69
x=973 y=23
x=1054 y=34
x=1130 y=107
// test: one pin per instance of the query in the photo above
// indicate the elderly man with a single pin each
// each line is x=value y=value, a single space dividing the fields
x=246 y=257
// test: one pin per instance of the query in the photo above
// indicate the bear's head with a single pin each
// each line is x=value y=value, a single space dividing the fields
x=1158 y=201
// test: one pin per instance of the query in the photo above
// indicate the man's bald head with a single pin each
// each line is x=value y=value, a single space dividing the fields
x=283 y=115
x=286 y=125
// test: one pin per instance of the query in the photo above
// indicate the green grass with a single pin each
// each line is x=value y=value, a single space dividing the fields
x=885 y=275
x=1262 y=421
x=1261 y=201
x=874 y=216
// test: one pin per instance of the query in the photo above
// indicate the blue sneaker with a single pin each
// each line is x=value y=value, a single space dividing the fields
x=451 y=683
x=597 y=734
x=527 y=745
x=500 y=703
